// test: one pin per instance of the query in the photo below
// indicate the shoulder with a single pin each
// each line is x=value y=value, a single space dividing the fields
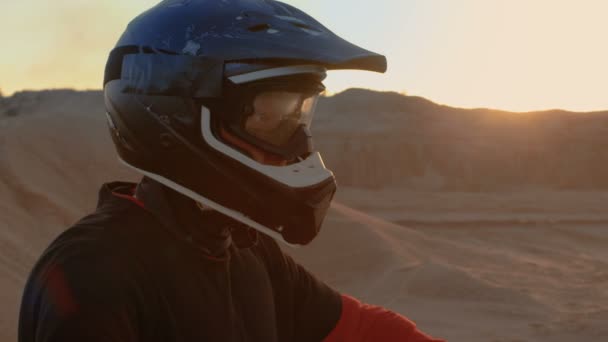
x=81 y=255
x=89 y=265
x=96 y=236
x=80 y=278
x=92 y=270
x=97 y=250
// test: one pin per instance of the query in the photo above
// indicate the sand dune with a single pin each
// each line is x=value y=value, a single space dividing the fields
x=508 y=266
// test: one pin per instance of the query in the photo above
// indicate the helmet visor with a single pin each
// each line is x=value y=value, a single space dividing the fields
x=276 y=115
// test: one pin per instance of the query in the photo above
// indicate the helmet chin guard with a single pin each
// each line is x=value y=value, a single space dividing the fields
x=213 y=205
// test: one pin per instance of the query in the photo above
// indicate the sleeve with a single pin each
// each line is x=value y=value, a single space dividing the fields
x=308 y=308
x=77 y=293
x=367 y=323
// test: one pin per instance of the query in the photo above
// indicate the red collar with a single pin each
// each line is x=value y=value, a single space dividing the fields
x=131 y=197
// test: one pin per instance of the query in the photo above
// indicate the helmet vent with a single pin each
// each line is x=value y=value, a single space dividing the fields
x=259 y=27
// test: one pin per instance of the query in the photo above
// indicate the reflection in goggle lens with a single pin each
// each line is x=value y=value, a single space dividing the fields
x=278 y=114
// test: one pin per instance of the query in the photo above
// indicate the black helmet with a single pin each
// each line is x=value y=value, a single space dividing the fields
x=187 y=74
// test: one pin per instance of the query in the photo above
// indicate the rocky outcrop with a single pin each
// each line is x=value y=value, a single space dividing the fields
x=386 y=139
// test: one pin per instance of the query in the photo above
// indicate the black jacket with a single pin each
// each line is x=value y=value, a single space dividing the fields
x=170 y=272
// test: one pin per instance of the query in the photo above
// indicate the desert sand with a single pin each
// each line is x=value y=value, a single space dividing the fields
x=496 y=233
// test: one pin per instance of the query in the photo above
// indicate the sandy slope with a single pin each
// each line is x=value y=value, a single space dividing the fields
x=495 y=279
x=48 y=178
x=473 y=284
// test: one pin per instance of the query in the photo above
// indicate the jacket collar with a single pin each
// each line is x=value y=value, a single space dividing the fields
x=207 y=230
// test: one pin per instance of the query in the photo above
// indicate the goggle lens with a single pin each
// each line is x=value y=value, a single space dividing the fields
x=278 y=114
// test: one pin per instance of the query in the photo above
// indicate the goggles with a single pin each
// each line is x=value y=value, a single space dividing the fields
x=274 y=115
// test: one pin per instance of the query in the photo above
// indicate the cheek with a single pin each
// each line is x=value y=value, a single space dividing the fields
x=254 y=152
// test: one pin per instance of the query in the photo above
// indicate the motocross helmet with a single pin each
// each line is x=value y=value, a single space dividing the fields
x=187 y=74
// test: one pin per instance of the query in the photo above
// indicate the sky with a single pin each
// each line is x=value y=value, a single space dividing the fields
x=517 y=55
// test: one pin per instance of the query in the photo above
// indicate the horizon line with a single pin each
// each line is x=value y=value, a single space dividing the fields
x=329 y=94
